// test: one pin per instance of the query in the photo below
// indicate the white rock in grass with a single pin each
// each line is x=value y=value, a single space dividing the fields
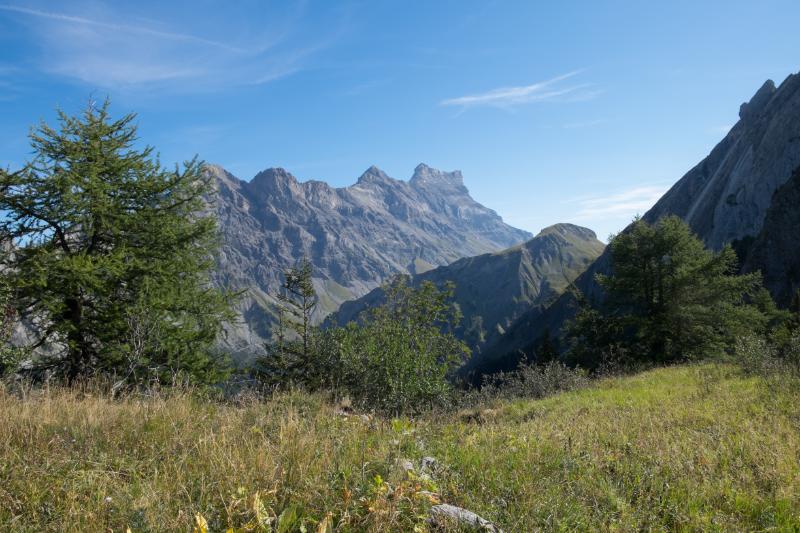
x=446 y=514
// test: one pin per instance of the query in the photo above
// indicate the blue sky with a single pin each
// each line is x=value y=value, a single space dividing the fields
x=567 y=111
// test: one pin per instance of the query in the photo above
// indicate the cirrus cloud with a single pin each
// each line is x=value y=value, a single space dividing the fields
x=108 y=47
x=548 y=90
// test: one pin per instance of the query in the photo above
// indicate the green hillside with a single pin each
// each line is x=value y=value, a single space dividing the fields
x=682 y=448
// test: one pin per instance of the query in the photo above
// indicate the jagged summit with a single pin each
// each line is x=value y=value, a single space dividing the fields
x=758 y=101
x=429 y=176
x=372 y=175
x=273 y=177
x=424 y=176
x=726 y=195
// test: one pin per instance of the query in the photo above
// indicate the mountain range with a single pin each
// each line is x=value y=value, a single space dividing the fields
x=355 y=237
x=509 y=285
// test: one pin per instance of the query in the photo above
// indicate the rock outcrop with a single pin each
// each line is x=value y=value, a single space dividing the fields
x=355 y=236
x=726 y=196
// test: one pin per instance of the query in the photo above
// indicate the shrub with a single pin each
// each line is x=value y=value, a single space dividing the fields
x=400 y=358
x=535 y=381
x=757 y=355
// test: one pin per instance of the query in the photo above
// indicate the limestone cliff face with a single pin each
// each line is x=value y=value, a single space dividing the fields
x=724 y=198
x=492 y=290
x=355 y=236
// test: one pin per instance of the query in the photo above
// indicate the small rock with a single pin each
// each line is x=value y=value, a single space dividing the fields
x=445 y=514
x=429 y=463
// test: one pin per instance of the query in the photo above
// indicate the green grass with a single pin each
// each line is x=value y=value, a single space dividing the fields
x=683 y=448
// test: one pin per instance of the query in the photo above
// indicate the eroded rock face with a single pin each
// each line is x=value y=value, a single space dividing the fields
x=726 y=196
x=356 y=236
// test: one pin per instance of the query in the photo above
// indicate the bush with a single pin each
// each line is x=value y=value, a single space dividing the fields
x=399 y=359
x=758 y=356
x=535 y=381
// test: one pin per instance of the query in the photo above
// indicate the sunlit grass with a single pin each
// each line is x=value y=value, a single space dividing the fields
x=695 y=447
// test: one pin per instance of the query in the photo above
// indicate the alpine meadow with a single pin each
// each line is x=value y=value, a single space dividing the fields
x=182 y=349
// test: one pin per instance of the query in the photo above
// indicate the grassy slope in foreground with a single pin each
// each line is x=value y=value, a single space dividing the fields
x=694 y=447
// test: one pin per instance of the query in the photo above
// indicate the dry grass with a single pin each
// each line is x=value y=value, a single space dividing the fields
x=693 y=448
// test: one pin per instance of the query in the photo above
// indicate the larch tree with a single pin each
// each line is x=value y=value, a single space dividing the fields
x=112 y=253
x=675 y=298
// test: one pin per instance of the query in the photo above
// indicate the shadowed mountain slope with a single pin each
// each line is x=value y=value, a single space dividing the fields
x=775 y=251
x=492 y=290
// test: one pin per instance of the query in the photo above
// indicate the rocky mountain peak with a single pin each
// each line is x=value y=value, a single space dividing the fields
x=428 y=176
x=735 y=194
x=272 y=178
x=225 y=181
x=725 y=196
x=758 y=101
x=374 y=175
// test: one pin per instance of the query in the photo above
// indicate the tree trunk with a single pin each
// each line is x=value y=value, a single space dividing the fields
x=76 y=356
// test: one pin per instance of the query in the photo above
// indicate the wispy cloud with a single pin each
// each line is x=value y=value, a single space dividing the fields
x=548 y=90
x=622 y=204
x=120 y=27
x=103 y=52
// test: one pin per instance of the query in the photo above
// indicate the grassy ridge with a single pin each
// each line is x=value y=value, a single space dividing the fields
x=695 y=447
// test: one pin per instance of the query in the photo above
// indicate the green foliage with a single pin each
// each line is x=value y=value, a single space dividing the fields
x=113 y=252
x=534 y=381
x=293 y=357
x=401 y=357
x=761 y=356
x=668 y=298
x=545 y=350
x=595 y=339
x=9 y=355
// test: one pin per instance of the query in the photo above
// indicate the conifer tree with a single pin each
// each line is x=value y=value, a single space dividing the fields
x=9 y=355
x=105 y=237
x=673 y=297
x=290 y=356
